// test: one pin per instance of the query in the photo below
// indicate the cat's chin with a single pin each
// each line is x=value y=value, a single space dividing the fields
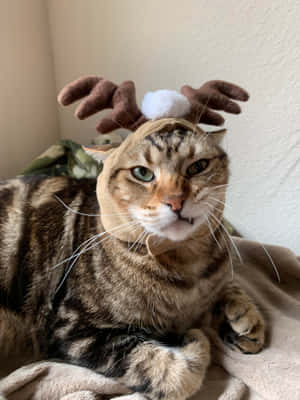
x=179 y=230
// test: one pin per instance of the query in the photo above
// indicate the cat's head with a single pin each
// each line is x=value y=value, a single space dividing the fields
x=167 y=177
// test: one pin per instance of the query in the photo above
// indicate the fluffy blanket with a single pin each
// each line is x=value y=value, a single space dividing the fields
x=274 y=374
x=67 y=158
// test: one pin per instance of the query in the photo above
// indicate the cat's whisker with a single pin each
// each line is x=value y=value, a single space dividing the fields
x=120 y=227
x=93 y=238
x=157 y=240
x=143 y=238
x=137 y=240
x=224 y=184
x=228 y=235
x=229 y=253
x=131 y=231
x=213 y=207
x=70 y=267
x=132 y=245
x=263 y=247
x=211 y=231
x=230 y=182
x=88 y=241
x=84 y=214
x=221 y=187
x=220 y=191
x=140 y=242
x=219 y=245
x=86 y=248
x=217 y=200
x=108 y=236
x=220 y=201
x=272 y=262
x=211 y=176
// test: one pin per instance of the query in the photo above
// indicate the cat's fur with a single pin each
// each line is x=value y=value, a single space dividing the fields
x=121 y=310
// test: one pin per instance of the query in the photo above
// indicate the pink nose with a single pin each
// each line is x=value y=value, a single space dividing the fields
x=175 y=202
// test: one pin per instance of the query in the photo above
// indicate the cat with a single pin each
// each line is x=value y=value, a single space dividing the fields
x=120 y=276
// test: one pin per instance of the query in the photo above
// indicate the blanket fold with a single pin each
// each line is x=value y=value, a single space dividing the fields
x=47 y=380
x=273 y=374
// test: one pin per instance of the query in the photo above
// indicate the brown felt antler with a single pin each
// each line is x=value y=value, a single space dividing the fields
x=98 y=94
x=216 y=95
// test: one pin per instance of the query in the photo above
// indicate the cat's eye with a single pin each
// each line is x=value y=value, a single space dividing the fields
x=197 y=167
x=143 y=174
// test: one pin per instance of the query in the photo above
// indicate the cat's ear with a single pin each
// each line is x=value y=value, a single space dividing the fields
x=217 y=136
x=100 y=152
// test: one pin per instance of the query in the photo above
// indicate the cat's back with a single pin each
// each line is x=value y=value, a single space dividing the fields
x=35 y=203
x=20 y=197
x=36 y=230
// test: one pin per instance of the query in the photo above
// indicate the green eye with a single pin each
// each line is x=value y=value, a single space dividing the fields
x=197 y=167
x=143 y=174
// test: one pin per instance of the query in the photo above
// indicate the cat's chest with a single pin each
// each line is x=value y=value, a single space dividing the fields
x=134 y=292
x=171 y=307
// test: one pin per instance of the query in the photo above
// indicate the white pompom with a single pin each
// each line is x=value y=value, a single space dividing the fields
x=165 y=104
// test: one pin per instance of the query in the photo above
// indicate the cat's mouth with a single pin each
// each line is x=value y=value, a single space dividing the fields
x=171 y=225
x=180 y=228
x=189 y=220
x=178 y=223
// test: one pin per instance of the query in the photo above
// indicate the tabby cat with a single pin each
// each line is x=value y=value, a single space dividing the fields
x=121 y=282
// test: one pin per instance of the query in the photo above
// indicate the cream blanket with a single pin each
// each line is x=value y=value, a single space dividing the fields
x=274 y=374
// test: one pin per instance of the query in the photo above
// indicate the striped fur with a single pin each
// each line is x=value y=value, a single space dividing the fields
x=121 y=311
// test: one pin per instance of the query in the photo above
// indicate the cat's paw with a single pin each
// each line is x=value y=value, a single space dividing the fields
x=243 y=328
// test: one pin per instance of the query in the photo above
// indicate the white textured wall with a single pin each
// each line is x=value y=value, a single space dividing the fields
x=28 y=114
x=163 y=44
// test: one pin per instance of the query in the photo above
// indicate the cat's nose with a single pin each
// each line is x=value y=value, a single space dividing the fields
x=175 y=202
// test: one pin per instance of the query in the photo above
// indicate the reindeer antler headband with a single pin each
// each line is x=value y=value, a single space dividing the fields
x=193 y=104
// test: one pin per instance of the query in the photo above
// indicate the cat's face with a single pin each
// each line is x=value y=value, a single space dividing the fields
x=171 y=182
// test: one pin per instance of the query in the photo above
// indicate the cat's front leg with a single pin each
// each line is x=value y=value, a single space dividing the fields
x=170 y=367
x=163 y=372
x=242 y=325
